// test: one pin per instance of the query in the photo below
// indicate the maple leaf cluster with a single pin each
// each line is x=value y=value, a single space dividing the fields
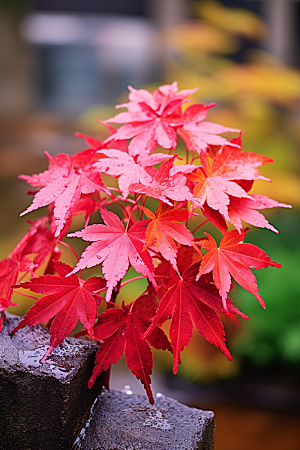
x=145 y=217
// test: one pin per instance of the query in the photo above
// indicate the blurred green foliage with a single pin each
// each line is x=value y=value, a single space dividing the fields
x=272 y=337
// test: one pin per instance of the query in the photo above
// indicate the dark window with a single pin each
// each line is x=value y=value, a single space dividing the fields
x=133 y=7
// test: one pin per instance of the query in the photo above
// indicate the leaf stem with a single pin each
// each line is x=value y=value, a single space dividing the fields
x=24 y=276
x=114 y=189
x=26 y=295
x=132 y=279
x=142 y=212
x=187 y=155
x=199 y=226
x=193 y=157
x=129 y=218
x=109 y=305
x=124 y=209
x=70 y=248
x=101 y=290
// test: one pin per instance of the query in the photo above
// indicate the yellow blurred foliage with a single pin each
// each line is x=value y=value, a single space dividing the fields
x=276 y=83
x=194 y=35
x=234 y=20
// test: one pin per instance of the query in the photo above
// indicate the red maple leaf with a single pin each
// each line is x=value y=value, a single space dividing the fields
x=232 y=156
x=165 y=229
x=233 y=258
x=4 y=304
x=187 y=256
x=90 y=156
x=63 y=184
x=39 y=240
x=9 y=271
x=122 y=330
x=188 y=301
x=67 y=299
x=115 y=247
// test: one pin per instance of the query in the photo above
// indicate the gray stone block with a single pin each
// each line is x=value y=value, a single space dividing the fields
x=119 y=421
x=43 y=407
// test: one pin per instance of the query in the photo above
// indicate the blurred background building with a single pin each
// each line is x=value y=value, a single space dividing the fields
x=66 y=55
x=63 y=63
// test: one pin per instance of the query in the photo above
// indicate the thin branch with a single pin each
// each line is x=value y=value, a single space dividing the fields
x=101 y=290
x=194 y=157
x=109 y=305
x=124 y=209
x=143 y=207
x=114 y=189
x=114 y=294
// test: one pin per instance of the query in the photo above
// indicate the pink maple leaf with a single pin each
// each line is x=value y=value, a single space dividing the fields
x=39 y=240
x=167 y=183
x=129 y=168
x=198 y=135
x=245 y=209
x=63 y=184
x=222 y=189
x=115 y=248
x=151 y=118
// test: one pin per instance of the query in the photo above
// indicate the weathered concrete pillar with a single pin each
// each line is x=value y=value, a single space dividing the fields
x=43 y=406
x=127 y=421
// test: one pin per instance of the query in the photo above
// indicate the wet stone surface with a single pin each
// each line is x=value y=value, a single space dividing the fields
x=43 y=406
x=125 y=421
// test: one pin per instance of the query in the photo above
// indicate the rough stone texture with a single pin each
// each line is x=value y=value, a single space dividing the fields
x=119 y=421
x=43 y=407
